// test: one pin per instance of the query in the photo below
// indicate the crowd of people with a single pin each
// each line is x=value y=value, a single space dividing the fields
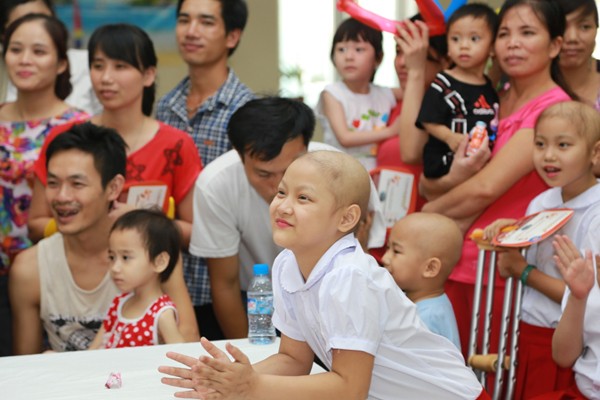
x=83 y=267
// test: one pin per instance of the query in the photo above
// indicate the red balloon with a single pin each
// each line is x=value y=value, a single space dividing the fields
x=432 y=16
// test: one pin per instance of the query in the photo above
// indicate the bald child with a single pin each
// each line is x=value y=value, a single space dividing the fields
x=334 y=301
x=422 y=251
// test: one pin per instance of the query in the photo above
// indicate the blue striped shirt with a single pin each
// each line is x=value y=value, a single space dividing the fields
x=208 y=128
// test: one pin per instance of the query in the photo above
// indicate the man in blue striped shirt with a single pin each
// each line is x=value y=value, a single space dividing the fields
x=207 y=32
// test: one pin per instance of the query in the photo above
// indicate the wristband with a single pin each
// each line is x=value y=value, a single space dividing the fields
x=525 y=273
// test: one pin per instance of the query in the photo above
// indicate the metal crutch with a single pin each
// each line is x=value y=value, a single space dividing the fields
x=486 y=362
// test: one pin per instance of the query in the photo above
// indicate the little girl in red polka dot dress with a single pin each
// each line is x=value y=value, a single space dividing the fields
x=143 y=249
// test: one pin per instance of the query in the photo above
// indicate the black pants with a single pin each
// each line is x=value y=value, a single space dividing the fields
x=207 y=322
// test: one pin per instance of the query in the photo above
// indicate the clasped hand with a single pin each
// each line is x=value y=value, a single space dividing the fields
x=211 y=377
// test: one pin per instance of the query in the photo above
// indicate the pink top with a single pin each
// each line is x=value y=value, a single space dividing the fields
x=513 y=203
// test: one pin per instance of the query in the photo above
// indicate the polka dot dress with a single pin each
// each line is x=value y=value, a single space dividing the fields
x=124 y=332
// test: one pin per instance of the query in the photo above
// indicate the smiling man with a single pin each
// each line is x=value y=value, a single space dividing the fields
x=62 y=284
x=207 y=32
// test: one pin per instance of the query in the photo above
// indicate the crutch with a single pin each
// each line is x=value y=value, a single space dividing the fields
x=486 y=362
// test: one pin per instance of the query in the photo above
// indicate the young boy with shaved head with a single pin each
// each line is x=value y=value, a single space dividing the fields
x=334 y=301
x=422 y=251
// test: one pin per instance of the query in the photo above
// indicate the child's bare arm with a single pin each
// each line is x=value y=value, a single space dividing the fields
x=350 y=378
x=578 y=273
x=512 y=263
x=167 y=328
x=493 y=229
x=334 y=112
x=97 y=342
x=445 y=134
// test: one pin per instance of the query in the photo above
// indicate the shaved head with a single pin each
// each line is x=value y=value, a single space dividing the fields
x=348 y=179
x=437 y=236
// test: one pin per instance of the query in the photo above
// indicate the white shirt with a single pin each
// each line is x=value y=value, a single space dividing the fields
x=231 y=218
x=587 y=366
x=538 y=309
x=82 y=96
x=363 y=112
x=349 y=302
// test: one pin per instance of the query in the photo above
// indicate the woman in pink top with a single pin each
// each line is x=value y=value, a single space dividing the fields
x=527 y=45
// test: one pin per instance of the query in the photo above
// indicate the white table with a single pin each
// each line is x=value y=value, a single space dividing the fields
x=81 y=375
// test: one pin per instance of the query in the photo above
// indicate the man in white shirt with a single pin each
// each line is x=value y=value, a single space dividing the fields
x=232 y=227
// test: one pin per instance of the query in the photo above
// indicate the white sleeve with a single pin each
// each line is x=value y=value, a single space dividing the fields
x=214 y=231
x=352 y=310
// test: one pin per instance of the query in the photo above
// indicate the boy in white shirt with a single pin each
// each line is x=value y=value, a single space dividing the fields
x=332 y=300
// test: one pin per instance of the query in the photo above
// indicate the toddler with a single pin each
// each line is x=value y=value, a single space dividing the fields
x=143 y=250
x=332 y=300
x=566 y=147
x=422 y=250
x=463 y=95
x=354 y=112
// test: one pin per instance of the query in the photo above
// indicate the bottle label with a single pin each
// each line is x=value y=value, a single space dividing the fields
x=263 y=305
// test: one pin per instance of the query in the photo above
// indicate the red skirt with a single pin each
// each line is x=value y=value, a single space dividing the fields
x=571 y=393
x=537 y=373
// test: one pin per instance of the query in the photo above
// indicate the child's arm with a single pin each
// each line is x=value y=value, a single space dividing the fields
x=334 y=112
x=167 y=328
x=350 y=378
x=445 y=134
x=176 y=289
x=512 y=263
x=97 y=342
x=493 y=229
x=567 y=341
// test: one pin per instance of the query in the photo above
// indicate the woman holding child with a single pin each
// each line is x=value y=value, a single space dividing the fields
x=528 y=42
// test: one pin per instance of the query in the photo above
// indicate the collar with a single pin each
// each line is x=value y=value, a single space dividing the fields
x=291 y=278
x=553 y=199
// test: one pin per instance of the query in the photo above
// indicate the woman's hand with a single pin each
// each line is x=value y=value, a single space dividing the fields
x=413 y=40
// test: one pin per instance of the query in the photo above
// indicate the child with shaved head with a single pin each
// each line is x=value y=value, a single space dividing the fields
x=334 y=301
x=422 y=251
x=566 y=150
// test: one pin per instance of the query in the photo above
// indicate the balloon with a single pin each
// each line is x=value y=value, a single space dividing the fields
x=432 y=11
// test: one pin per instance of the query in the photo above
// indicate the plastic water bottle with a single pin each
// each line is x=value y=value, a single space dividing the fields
x=260 y=307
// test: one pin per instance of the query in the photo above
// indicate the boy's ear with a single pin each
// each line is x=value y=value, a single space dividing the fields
x=433 y=266
x=350 y=218
x=160 y=262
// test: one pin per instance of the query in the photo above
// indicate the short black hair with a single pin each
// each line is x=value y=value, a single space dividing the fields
x=7 y=6
x=159 y=234
x=234 y=14
x=262 y=126
x=351 y=29
x=476 y=10
x=60 y=39
x=587 y=6
x=130 y=44
x=105 y=145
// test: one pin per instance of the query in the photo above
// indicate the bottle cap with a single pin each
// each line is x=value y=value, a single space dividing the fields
x=261 y=269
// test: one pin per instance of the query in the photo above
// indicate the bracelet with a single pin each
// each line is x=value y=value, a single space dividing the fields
x=526 y=272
